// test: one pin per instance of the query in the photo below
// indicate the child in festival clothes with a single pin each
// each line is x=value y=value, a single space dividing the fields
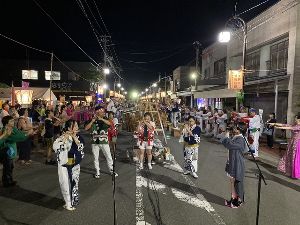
x=191 y=136
x=145 y=139
x=235 y=165
x=69 y=150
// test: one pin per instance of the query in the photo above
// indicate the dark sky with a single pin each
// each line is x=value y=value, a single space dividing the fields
x=158 y=33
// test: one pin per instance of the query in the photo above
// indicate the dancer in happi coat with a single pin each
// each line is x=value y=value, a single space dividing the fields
x=145 y=132
x=69 y=150
x=191 y=135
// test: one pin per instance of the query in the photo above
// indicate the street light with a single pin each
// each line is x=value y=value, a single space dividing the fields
x=154 y=85
x=224 y=37
x=105 y=86
x=236 y=23
x=122 y=89
x=125 y=92
x=106 y=71
x=134 y=94
x=146 y=90
x=119 y=85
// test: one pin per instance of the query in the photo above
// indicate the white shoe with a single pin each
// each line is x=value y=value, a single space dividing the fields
x=186 y=172
x=116 y=175
x=97 y=176
x=149 y=166
x=135 y=159
x=194 y=175
x=69 y=208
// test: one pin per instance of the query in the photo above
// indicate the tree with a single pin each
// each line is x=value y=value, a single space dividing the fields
x=93 y=75
x=3 y=85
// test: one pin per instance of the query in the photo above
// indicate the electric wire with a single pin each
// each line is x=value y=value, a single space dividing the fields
x=157 y=60
x=25 y=45
x=99 y=42
x=116 y=56
x=51 y=18
x=107 y=49
x=45 y=52
x=253 y=7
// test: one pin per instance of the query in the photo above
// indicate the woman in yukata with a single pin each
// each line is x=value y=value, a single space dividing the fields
x=191 y=136
x=69 y=149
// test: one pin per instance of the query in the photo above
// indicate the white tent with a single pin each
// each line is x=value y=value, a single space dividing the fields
x=37 y=93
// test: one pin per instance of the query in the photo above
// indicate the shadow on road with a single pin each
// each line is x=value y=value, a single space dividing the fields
x=19 y=194
x=169 y=182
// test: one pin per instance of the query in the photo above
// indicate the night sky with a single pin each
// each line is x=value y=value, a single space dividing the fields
x=150 y=37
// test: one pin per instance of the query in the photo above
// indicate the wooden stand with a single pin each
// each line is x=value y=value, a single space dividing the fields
x=176 y=132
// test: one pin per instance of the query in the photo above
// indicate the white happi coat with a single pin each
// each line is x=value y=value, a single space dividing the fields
x=254 y=123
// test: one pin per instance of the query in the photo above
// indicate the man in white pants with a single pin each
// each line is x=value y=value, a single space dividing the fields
x=100 y=125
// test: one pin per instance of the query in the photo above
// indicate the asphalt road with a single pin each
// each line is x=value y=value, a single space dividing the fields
x=160 y=196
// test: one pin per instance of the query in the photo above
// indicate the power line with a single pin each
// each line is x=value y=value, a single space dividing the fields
x=43 y=51
x=99 y=42
x=25 y=45
x=47 y=14
x=114 y=51
x=253 y=7
x=157 y=60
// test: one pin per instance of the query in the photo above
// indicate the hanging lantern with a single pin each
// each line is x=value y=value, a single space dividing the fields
x=88 y=99
x=24 y=97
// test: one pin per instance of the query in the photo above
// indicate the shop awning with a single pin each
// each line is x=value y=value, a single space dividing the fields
x=219 y=93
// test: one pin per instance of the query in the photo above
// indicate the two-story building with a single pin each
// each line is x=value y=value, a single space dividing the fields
x=272 y=80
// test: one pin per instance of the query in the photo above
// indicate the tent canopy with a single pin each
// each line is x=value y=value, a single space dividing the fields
x=38 y=93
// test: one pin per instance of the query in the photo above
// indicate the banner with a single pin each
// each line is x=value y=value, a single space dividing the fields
x=235 y=79
x=25 y=85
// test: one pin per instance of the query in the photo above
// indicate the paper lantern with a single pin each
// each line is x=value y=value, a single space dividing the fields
x=88 y=99
x=24 y=97
x=235 y=79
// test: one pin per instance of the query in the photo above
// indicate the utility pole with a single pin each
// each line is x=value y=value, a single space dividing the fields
x=197 y=46
x=51 y=77
x=104 y=40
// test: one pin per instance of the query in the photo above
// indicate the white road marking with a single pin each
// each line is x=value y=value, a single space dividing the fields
x=207 y=206
x=139 y=213
x=196 y=200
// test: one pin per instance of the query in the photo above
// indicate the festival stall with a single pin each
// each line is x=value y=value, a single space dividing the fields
x=25 y=96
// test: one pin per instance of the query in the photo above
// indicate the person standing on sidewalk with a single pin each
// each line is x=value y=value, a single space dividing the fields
x=25 y=147
x=145 y=131
x=10 y=135
x=191 y=136
x=270 y=130
x=4 y=112
x=100 y=125
x=290 y=162
x=49 y=136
